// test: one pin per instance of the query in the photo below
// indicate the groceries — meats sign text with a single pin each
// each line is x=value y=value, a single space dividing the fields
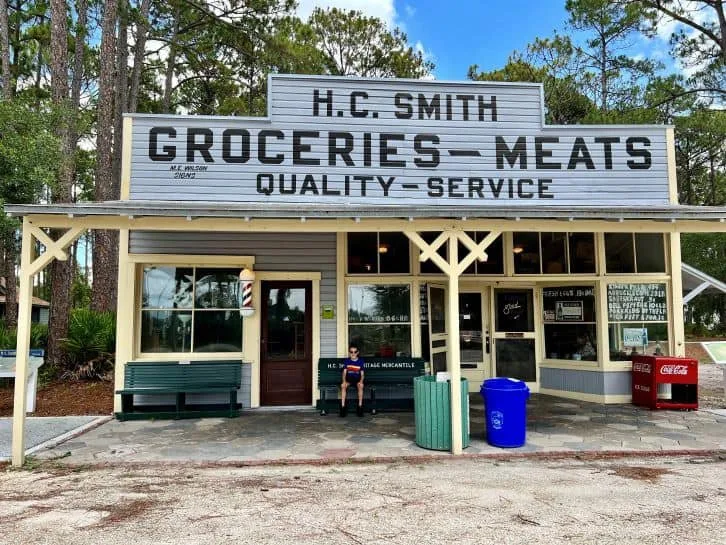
x=339 y=140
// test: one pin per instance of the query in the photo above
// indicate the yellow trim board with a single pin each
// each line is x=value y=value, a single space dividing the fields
x=192 y=259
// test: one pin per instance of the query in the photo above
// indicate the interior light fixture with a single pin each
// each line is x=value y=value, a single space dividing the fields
x=517 y=249
x=383 y=249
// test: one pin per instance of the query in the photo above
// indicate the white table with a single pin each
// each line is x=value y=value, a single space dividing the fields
x=7 y=370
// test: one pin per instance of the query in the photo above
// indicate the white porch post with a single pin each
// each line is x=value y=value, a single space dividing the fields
x=25 y=302
x=454 y=359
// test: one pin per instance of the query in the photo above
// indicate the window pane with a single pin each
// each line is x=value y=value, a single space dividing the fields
x=217 y=331
x=381 y=340
x=286 y=331
x=619 y=253
x=166 y=331
x=217 y=288
x=371 y=303
x=514 y=311
x=495 y=252
x=167 y=287
x=516 y=359
x=393 y=251
x=526 y=253
x=650 y=252
x=554 y=256
x=582 y=253
x=470 y=328
x=428 y=266
x=362 y=253
x=571 y=341
x=437 y=315
x=569 y=304
x=621 y=338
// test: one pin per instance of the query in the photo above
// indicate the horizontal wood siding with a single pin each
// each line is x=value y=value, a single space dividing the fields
x=465 y=144
x=585 y=382
x=309 y=252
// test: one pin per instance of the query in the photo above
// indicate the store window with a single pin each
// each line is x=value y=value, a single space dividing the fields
x=190 y=309
x=495 y=256
x=378 y=253
x=570 y=331
x=379 y=319
x=554 y=253
x=638 y=320
x=628 y=253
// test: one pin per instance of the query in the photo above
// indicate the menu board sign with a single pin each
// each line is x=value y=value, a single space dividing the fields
x=637 y=303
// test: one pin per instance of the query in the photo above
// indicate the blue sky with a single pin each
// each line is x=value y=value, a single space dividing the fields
x=459 y=33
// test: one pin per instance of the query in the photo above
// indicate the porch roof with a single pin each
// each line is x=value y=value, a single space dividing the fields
x=188 y=210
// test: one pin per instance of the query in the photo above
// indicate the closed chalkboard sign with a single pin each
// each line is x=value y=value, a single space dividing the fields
x=637 y=303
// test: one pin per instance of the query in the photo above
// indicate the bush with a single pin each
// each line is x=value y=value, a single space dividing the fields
x=39 y=336
x=90 y=345
x=8 y=337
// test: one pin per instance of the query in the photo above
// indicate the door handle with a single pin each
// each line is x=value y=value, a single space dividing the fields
x=487 y=345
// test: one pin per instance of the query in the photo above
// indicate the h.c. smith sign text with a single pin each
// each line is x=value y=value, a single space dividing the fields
x=396 y=142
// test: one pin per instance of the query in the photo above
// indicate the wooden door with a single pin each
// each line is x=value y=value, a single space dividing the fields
x=286 y=343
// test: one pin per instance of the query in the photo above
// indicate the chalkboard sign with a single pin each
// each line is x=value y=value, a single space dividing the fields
x=514 y=310
x=568 y=304
x=637 y=303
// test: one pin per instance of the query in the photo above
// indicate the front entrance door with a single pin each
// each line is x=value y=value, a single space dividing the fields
x=474 y=336
x=286 y=343
x=514 y=336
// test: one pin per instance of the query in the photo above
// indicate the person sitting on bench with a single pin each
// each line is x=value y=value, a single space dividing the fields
x=353 y=374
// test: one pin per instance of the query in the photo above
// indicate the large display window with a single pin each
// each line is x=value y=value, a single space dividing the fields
x=569 y=318
x=637 y=320
x=379 y=319
x=190 y=309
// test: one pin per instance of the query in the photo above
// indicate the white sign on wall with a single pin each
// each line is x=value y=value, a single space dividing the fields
x=332 y=140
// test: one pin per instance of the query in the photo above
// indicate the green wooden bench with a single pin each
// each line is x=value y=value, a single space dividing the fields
x=170 y=377
x=388 y=383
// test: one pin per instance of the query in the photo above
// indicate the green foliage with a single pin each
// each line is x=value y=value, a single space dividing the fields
x=39 y=335
x=8 y=337
x=707 y=252
x=80 y=292
x=90 y=344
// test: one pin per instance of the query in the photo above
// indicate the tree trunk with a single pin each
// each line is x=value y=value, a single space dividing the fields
x=170 y=65
x=121 y=97
x=60 y=303
x=142 y=31
x=5 y=51
x=11 y=291
x=105 y=248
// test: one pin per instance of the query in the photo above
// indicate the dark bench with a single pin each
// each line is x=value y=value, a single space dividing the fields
x=388 y=383
x=170 y=377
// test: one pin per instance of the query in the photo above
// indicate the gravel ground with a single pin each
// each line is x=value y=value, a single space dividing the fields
x=628 y=501
x=711 y=394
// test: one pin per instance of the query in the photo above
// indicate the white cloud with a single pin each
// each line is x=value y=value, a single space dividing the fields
x=410 y=10
x=383 y=9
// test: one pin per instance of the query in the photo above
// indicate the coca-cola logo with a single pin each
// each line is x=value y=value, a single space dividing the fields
x=673 y=369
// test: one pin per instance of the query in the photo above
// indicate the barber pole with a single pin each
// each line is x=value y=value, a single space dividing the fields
x=246 y=278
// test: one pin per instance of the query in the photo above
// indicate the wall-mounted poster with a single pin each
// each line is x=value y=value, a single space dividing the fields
x=568 y=311
x=637 y=303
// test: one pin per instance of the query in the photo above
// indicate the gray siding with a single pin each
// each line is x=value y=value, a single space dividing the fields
x=272 y=251
x=244 y=396
x=585 y=382
x=464 y=145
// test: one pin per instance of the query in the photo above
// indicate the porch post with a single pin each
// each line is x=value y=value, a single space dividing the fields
x=25 y=302
x=454 y=358
x=679 y=338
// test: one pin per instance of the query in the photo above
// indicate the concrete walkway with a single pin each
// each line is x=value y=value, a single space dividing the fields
x=45 y=431
x=554 y=425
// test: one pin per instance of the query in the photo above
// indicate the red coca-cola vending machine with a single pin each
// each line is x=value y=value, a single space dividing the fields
x=680 y=373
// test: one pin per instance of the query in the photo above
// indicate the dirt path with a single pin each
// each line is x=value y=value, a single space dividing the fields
x=617 y=502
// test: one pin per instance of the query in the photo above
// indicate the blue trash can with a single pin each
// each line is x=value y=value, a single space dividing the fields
x=505 y=410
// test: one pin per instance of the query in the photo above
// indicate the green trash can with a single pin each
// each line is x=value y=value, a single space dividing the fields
x=432 y=409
